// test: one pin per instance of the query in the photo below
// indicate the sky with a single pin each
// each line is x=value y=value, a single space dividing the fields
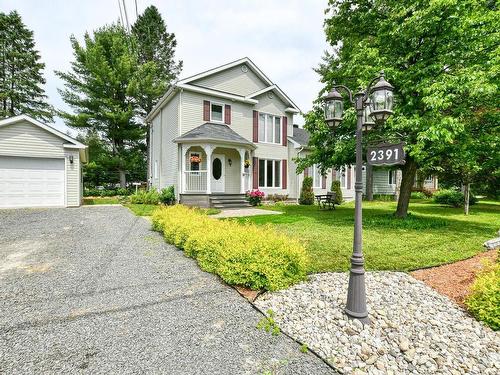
x=284 y=38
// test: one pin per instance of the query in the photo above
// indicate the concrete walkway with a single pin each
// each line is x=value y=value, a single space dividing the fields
x=242 y=212
x=93 y=290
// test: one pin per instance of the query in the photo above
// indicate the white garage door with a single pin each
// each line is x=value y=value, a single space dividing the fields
x=31 y=182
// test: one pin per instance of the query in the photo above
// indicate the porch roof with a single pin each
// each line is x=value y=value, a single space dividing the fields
x=214 y=133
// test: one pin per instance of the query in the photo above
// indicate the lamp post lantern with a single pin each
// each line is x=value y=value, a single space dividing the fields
x=373 y=106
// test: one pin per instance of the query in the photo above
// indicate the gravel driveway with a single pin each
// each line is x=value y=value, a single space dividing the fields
x=94 y=290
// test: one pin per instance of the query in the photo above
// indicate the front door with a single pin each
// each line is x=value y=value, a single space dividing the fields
x=218 y=173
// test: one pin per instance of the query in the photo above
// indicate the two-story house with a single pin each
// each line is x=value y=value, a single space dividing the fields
x=220 y=133
x=228 y=130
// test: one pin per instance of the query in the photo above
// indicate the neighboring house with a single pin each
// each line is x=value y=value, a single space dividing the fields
x=39 y=165
x=220 y=133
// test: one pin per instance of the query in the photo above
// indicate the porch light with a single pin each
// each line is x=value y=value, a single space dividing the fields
x=381 y=99
x=334 y=108
x=230 y=161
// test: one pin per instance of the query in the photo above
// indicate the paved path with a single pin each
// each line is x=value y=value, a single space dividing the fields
x=242 y=212
x=93 y=290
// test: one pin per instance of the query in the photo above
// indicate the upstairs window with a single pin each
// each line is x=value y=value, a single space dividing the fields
x=216 y=112
x=269 y=128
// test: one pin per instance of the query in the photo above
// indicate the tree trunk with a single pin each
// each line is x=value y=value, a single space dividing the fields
x=409 y=170
x=466 y=198
x=123 y=179
x=369 y=182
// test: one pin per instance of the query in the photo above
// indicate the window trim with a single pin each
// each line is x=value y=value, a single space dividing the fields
x=265 y=173
x=223 y=111
x=315 y=186
x=393 y=177
x=266 y=128
x=155 y=170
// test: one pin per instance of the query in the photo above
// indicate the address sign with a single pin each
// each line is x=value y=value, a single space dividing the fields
x=386 y=154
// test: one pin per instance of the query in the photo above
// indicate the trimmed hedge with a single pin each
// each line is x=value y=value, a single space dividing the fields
x=241 y=254
x=307 y=193
x=484 y=300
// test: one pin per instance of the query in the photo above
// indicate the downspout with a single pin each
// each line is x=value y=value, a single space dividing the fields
x=179 y=160
x=297 y=178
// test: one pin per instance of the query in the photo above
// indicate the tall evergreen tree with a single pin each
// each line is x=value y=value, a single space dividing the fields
x=21 y=72
x=441 y=56
x=155 y=44
x=100 y=89
x=156 y=52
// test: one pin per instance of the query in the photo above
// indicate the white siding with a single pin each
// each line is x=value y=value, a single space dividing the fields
x=233 y=81
x=28 y=140
x=169 y=150
x=25 y=139
x=73 y=176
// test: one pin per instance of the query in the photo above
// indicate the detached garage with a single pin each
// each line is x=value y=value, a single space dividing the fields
x=39 y=165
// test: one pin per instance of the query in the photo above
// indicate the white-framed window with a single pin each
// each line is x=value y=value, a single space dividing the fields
x=269 y=128
x=342 y=177
x=155 y=169
x=317 y=177
x=269 y=173
x=216 y=112
x=428 y=180
x=392 y=177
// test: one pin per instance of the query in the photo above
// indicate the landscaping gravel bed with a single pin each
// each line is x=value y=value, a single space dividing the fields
x=414 y=330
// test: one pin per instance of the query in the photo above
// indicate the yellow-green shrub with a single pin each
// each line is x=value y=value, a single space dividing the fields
x=484 y=299
x=241 y=254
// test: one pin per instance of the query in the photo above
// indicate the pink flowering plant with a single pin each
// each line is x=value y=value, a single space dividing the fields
x=255 y=197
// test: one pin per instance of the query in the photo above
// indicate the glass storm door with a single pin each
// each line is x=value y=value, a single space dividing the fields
x=218 y=172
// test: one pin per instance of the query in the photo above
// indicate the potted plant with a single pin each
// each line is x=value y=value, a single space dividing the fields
x=255 y=197
x=195 y=159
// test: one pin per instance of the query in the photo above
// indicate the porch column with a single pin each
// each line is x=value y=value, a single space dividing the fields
x=184 y=150
x=208 y=151
x=242 y=167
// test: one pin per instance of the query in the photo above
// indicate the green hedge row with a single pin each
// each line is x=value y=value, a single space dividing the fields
x=484 y=299
x=241 y=254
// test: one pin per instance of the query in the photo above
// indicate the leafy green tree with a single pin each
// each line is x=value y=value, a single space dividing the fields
x=442 y=57
x=100 y=89
x=21 y=72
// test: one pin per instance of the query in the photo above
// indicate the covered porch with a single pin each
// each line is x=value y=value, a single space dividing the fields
x=215 y=169
x=215 y=161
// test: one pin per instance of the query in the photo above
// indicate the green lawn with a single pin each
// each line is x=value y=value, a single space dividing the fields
x=142 y=209
x=432 y=234
x=100 y=200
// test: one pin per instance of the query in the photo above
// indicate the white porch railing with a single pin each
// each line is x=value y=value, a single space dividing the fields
x=196 y=181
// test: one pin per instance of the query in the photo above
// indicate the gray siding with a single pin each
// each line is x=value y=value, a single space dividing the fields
x=233 y=81
x=380 y=182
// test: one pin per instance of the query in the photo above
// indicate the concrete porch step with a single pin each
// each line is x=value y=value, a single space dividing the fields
x=228 y=201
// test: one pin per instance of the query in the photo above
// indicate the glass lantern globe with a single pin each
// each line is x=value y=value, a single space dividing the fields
x=368 y=122
x=334 y=108
x=381 y=99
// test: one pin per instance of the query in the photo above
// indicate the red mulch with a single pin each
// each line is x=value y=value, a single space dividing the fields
x=454 y=280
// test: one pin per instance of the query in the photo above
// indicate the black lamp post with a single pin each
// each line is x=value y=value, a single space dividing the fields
x=373 y=106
